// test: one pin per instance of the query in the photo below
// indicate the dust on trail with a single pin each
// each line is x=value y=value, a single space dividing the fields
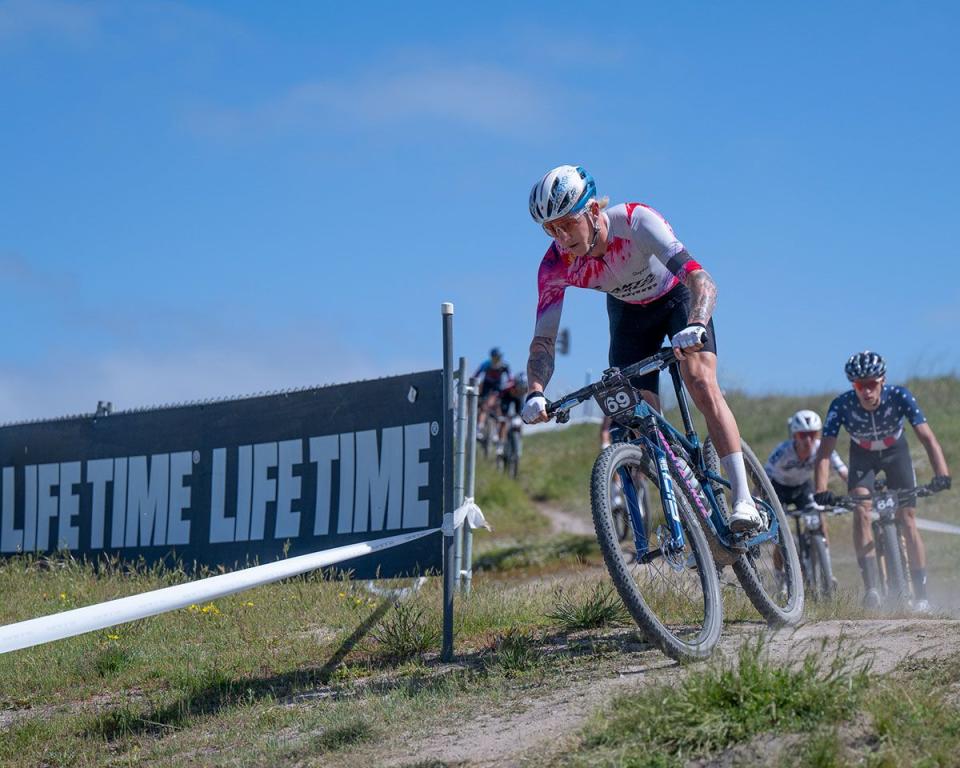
x=545 y=723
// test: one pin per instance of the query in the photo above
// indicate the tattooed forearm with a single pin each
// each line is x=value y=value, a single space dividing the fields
x=540 y=364
x=703 y=296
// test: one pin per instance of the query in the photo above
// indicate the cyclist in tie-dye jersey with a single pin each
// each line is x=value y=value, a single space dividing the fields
x=654 y=289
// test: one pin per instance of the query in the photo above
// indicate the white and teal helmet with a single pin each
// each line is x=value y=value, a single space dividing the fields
x=564 y=190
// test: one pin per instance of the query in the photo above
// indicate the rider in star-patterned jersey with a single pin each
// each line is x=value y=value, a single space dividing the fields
x=873 y=413
x=876 y=429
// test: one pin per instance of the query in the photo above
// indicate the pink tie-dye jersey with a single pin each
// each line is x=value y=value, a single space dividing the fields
x=644 y=261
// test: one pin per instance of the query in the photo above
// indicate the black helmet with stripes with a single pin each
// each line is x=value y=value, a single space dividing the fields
x=865 y=365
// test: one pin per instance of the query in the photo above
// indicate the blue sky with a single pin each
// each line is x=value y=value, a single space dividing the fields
x=199 y=199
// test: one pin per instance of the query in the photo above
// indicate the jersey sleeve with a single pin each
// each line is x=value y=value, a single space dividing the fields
x=909 y=408
x=655 y=233
x=831 y=427
x=551 y=284
x=775 y=457
x=837 y=463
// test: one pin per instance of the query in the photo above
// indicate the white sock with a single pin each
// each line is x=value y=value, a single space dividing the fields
x=737 y=475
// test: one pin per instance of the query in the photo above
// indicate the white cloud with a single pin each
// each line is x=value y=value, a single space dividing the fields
x=24 y=18
x=484 y=98
x=70 y=384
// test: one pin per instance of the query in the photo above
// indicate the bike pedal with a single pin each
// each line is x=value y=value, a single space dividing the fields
x=738 y=541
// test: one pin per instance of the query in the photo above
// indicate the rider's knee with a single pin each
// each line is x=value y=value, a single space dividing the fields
x=907 y=515
x=703 y=388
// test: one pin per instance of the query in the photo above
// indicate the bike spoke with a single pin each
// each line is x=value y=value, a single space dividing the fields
x=676 y=597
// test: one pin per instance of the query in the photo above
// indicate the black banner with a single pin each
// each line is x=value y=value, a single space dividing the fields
x=235 y=482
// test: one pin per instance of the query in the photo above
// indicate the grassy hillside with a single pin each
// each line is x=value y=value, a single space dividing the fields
x=557 y=464
x=312 y=671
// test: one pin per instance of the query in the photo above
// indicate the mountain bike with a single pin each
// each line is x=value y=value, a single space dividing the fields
x=488 y=429
x=509 y=460
x=813 y=551
x=669 y=581
x=893 y=562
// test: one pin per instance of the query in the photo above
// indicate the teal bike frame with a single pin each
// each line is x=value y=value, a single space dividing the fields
x=658 y=438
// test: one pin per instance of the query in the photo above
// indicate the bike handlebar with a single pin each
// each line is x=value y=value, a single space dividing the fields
x=656 y=362
x=903 y=495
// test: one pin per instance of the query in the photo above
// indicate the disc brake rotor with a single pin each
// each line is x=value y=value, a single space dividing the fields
x=674 y=555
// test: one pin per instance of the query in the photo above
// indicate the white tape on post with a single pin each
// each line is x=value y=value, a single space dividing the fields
x=92 y=617
x=468 y=513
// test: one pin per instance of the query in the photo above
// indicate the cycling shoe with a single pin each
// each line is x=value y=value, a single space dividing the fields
x=745 y=517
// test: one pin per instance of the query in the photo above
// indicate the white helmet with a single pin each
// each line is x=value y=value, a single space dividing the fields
x=564 y=190
x=805 y=421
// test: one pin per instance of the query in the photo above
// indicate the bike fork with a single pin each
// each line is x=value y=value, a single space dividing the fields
x=633 y=509
x=667 y=495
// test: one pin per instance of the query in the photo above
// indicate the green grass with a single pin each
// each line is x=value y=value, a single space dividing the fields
x=273 y=698
x=557 y=466
x=506 y=506
x=539 y=555
x=282 y=674
x=581 y=607
x=720 y=706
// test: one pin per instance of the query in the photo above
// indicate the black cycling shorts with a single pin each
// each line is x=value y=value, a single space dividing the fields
x=798 y=495
x=486 y=387
x=637 y=331
x=506 y=401
x=895 y=462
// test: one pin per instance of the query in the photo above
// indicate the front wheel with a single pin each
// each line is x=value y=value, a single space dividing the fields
x=897 y=588
x=673 y=595
x=776 y=592
x=513 y=450
x=822 y=568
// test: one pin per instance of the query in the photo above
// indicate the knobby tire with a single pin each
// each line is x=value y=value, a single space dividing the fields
x=655 y=627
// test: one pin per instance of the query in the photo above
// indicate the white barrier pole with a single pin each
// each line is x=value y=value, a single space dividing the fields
x=460 y=440
x=471 y=473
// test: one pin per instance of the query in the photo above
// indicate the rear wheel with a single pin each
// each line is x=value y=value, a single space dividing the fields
x=777 y=593
x=486 y=436
x=674 y=596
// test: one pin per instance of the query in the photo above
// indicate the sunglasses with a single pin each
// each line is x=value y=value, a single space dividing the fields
x=862 y=385
x=566 y=225
x=806 y=435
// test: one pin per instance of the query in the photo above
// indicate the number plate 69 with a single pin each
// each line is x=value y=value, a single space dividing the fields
x=615 y=402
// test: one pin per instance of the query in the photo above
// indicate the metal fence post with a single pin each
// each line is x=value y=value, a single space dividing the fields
x=446 y=312
x=473 y=392
x=458 y=463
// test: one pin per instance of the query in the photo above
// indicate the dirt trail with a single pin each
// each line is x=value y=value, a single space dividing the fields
x=567 y=522
x=517 y=737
